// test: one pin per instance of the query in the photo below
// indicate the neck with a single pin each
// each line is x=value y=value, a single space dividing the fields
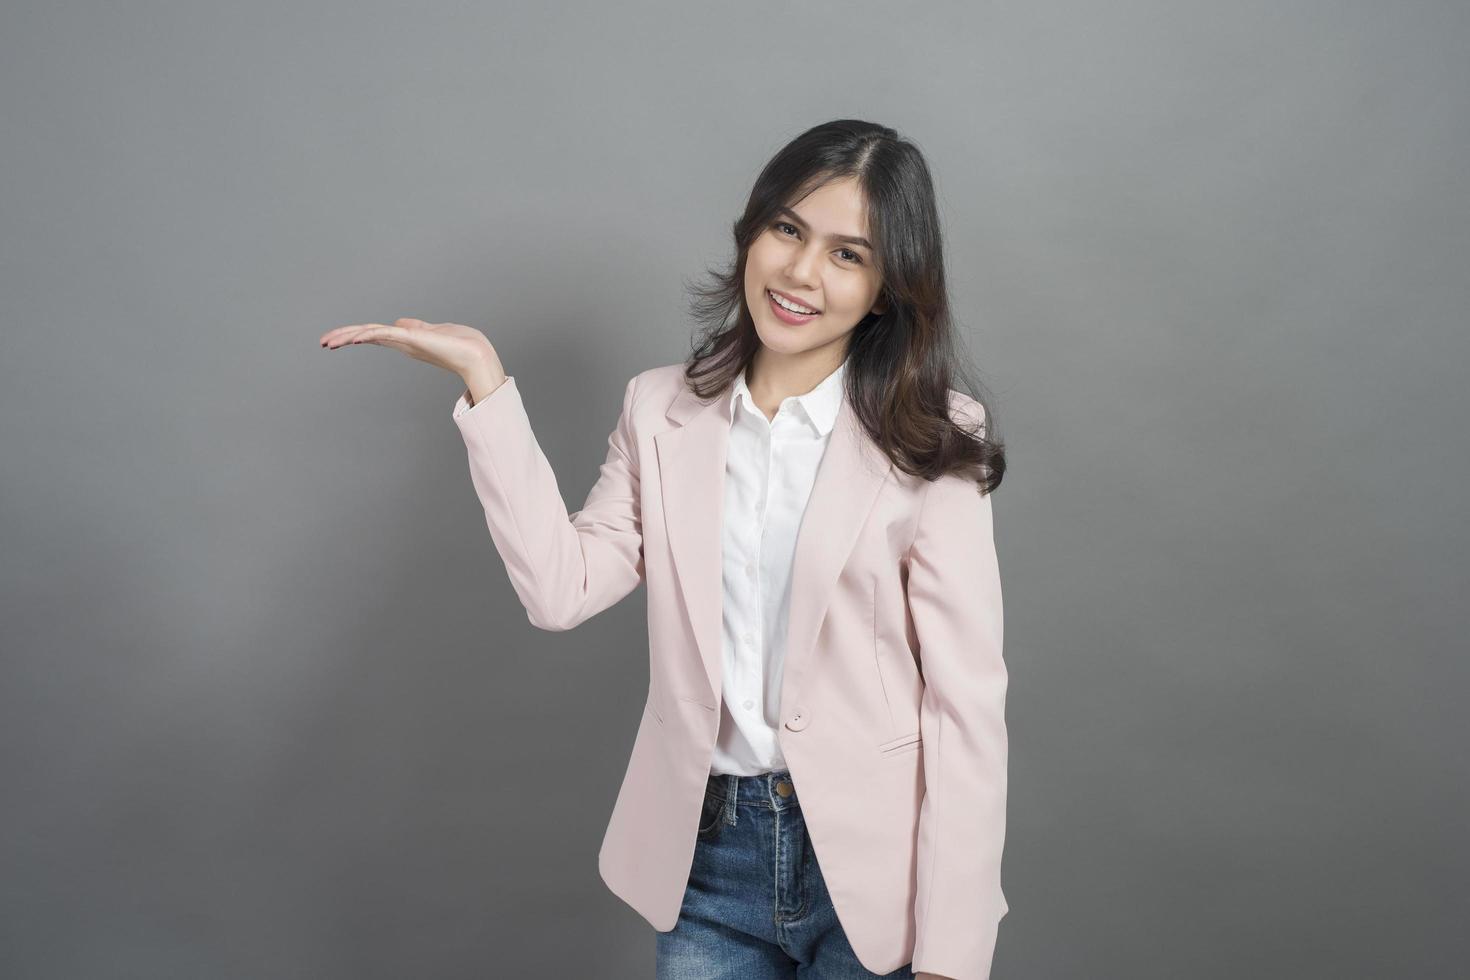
x=773 y=377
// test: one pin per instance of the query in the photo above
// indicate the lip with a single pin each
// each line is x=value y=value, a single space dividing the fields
x=786 y=316
x=797 y=300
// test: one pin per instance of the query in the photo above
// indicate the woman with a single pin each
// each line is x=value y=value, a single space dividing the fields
x=807 y=501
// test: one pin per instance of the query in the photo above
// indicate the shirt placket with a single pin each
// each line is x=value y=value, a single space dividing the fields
x=754 y=679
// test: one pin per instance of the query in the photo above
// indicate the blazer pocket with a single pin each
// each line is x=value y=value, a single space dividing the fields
x=904 y=743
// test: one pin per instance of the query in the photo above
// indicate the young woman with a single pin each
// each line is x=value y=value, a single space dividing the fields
x=818 y=783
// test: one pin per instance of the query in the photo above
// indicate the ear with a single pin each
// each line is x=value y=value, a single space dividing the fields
x=880 y=306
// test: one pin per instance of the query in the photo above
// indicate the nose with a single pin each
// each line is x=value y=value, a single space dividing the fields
x=801 y=271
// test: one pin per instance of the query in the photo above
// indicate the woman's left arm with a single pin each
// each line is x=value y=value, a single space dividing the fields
x=954 y=597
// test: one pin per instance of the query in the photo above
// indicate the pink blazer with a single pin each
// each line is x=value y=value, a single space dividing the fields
x=893 y=697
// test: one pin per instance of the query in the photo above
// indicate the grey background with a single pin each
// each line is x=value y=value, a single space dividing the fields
x=269 y=706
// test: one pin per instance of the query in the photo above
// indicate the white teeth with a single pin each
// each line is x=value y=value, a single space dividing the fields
x=789 y=305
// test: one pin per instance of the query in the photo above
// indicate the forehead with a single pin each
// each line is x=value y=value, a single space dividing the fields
x=835 y=208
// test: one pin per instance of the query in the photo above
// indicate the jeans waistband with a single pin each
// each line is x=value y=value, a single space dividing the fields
x=763 y=789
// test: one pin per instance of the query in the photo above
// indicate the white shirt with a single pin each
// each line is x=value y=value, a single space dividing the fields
x=769 y=472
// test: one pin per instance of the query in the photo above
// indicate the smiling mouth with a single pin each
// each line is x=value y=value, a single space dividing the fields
x=790 y=307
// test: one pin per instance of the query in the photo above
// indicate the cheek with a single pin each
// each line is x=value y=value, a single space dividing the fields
x=850 y=295
x=761 y=256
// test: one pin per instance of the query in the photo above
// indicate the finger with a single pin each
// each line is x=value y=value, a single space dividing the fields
x=331 y=335
x=358 y=333
x=372 y=333
x=337 y=336
x=361 y=333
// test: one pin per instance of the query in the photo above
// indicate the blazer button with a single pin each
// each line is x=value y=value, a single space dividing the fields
x=799 y=720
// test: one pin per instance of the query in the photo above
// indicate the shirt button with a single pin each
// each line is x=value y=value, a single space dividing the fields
x=749 y=638
x=750 y=569
x=749 y=703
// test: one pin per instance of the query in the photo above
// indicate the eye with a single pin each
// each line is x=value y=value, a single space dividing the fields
x=781 y=226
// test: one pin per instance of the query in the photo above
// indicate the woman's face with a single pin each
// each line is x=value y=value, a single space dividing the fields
x=807 y=254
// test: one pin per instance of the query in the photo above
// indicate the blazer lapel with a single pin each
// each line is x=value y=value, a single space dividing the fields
x=852 y=472
x=691 y=474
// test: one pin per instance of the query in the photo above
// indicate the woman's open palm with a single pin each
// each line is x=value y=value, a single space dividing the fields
x=451 y=346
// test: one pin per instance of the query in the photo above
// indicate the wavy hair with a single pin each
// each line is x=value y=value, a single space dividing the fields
x=902 y=364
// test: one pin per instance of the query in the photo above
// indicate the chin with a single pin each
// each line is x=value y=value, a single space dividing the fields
x=792 y=345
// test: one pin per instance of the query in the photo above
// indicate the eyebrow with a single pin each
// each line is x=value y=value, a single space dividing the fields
x=854 y=239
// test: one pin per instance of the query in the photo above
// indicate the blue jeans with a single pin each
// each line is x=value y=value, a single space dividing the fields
x=756 y=907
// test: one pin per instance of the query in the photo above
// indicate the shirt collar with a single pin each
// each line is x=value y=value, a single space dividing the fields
x=821 y=404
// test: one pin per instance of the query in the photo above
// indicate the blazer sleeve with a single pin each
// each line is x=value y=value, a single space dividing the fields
x=565 y=568
x=954 y=599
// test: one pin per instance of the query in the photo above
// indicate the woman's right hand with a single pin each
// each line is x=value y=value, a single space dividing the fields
x=452 y=346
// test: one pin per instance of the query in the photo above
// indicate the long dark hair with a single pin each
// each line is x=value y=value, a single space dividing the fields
x=902 y=363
